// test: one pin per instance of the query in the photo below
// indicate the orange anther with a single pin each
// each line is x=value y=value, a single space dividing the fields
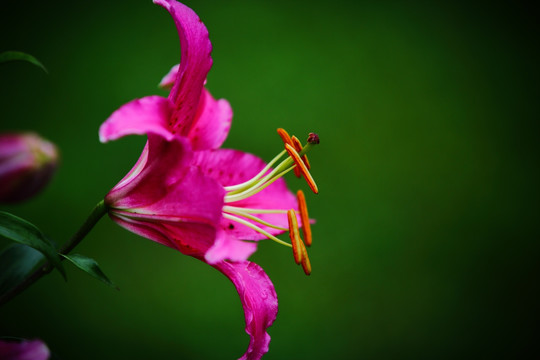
x=296 y=241
x=306 y=264
x=284 y=136
x=303 y=169
x=302 y=207
x=298 y=147
x=287 y=140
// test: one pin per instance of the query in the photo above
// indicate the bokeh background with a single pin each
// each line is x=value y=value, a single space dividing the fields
x=427 y=232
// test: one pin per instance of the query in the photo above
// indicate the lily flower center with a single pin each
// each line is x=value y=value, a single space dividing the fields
x=295 y=160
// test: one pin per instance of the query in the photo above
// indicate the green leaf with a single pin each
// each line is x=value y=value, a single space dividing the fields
x=17 y=262
x=23 y=232
x=20 y=56
x=91 y=267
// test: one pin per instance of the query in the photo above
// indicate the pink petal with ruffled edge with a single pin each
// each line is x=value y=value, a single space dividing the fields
x=259 y=301
x=227 y=247
x=24 y=350
x=150 y=114
x=190 y=110
x=195 y=49
x=212 y=123
x=230 y=167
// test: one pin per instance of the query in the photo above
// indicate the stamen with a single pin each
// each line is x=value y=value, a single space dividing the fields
x=261 y=185
x=298 y=147
x=300 y=164
x=287 y=140
x=297 y=161
x=284 y=136
x=302 y=207
x=296 y=241
x=306 y=264
x=266 y=176
x=239 y=187
x=233 y=209
x=254 y=218
x=256 y=228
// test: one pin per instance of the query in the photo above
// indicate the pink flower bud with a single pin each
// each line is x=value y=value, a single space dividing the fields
x=27 y=163
x=23 y=350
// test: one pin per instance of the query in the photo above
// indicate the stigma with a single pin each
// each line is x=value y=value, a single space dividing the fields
x=292 y=158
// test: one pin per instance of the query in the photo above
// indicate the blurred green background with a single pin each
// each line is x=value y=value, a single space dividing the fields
x=427 y=232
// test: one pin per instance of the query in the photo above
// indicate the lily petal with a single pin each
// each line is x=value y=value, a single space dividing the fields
x=259 y=301
x=212 y=120
x=196 y=61
x=168 y=80
x=150 y=114
x=192 y=198
x=161 y=164
x=190 y=238
x=163 y=188
x=227 y=247
x=212 y=123
x=230 y=167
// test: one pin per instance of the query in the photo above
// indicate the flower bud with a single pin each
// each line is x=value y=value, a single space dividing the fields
x=27 y=163
x=15 y=349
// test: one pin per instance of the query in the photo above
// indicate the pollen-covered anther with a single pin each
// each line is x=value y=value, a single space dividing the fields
x=303 y=169
x=284 y=136
x=296 y=241
x=306 y=264
x=304 y=217
x=288 y=140
x=298 y=147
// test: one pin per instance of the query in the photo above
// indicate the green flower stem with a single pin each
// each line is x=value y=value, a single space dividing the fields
x=95 y=216
x=91 y=221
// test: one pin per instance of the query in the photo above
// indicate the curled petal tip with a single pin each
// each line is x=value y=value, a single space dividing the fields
x=195 y=63
x=138 y=117
x=168 y=80
x=102 y=138
x=259 y=301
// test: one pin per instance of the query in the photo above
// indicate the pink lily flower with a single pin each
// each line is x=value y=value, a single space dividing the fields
x=187 y=193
